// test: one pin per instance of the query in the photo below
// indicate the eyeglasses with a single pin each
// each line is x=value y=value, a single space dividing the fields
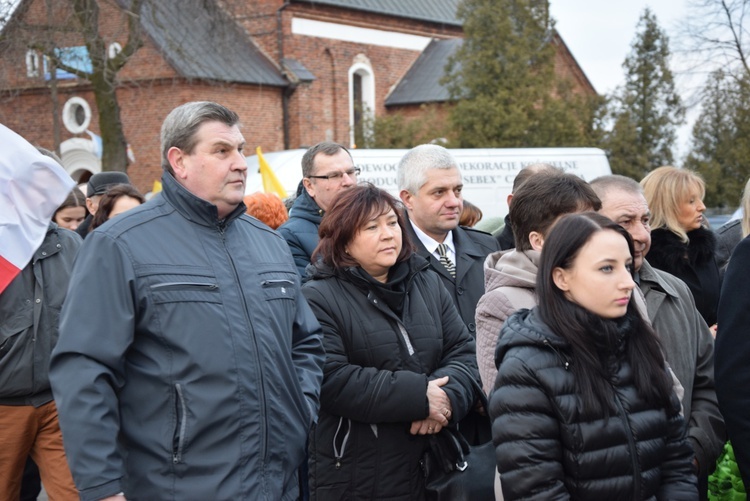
x=336 y=176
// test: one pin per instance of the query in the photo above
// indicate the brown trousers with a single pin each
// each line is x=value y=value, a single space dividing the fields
x=29 y=431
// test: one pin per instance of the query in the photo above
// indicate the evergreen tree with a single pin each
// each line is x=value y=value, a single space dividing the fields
x=721 y=139
x=503 y=80
x=396 y=130
x=646 y=111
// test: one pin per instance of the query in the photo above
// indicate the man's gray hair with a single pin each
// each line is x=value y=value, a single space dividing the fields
x=413 y=166
x=604 y=184
x=180 y=128
x=327 y=148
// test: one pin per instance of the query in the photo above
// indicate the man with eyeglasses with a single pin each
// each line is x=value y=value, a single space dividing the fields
x=327 y=170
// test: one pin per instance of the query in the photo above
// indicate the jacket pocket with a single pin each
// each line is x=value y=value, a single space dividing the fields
x=278 y=288
x=180 y=428
x=13 y=329
x=174 y=292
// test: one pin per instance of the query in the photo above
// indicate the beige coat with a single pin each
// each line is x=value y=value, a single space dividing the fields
x=509 y=285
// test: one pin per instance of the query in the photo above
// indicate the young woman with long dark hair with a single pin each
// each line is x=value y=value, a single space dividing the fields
x=583 y=406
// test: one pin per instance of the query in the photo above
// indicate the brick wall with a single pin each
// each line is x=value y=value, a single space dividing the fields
x=143 y=109
x=150 y=88
x=322 y=108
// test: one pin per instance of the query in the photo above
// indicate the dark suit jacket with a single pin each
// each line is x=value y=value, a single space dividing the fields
x=472 y=247
x=732 y=353
x=505 y=237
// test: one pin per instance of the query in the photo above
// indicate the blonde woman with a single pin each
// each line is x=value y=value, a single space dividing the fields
x=681 y=244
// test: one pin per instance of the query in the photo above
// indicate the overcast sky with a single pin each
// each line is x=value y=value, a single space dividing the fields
x=599 y=34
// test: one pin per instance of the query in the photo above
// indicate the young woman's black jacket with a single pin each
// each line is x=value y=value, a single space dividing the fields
x=547 y=448
x=694 y=263
x=372 y=388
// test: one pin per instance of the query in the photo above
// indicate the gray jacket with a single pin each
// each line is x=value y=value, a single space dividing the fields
x=187 y=337
x=727 y=238
x=29 y=315
x=689 y=349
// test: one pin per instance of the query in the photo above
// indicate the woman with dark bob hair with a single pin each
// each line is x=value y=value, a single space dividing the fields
x=396 y=350
x=583 y=406
x=118 y=199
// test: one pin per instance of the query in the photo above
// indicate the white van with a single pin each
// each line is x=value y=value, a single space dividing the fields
x=488 y=173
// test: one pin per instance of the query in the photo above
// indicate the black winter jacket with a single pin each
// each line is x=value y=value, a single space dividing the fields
x=372 y=388
x=505 y=238
x=694 y=263
x=548 y=450
x=29 y=316
x=732 y=353
x=301 y=230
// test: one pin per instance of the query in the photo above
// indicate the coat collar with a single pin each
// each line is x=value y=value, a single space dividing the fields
x=648 y=274
x=466 y=251
x=51 y=244
x=306 y=207
x=193 y=208
x=666 y=246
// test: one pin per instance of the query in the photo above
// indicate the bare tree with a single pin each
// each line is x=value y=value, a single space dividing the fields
x=78 y=37
x=717 y=35
x=6 y=10
x=51 y=36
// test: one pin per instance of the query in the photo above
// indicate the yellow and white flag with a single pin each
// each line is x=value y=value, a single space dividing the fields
x=271 y=183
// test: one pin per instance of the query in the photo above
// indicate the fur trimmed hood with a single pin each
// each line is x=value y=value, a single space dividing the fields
x=669 y=251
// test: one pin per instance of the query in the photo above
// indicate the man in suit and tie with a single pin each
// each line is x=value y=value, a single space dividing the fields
x=429 y=183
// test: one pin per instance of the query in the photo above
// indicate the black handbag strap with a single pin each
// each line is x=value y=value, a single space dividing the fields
x=449 y=450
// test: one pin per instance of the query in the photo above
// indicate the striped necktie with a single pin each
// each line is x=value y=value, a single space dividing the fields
x=445 y=260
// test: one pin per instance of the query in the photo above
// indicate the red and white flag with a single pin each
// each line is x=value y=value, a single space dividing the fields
x=32 y=187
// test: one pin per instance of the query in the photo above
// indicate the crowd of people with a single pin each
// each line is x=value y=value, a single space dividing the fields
x=211 y=345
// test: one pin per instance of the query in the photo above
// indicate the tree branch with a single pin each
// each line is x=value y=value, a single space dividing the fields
x=135 y=40
x=736 y=37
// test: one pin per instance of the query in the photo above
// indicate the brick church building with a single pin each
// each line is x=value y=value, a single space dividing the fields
x=296 y=71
